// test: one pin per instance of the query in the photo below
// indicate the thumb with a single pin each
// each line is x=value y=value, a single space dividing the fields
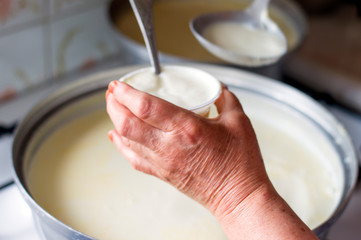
x=227 y=102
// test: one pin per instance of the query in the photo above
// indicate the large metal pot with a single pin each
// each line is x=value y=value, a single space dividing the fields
x=87 y=95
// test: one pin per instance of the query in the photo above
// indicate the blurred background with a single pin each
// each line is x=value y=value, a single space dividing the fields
x=44 y=40
x=41 y=40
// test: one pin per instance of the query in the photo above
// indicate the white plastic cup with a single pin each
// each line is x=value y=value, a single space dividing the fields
x=186 y=87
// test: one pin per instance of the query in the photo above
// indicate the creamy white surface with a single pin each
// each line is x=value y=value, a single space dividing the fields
x=301 y=163
x=80 y=178
x=183 y=86
x=245 y=40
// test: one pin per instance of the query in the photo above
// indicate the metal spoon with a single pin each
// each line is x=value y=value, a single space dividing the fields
x=144 y=14
x=255 y=16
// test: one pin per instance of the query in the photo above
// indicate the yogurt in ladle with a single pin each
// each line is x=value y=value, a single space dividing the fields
x=247 y=41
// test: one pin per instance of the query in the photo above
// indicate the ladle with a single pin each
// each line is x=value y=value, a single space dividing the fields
x=255 y=17
x=144 y=14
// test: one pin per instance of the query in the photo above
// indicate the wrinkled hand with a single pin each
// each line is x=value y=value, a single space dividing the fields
x=215 y=161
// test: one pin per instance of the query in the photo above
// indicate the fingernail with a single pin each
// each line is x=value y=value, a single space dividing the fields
x=107 y=94
x=112 y=85
x=110 y=135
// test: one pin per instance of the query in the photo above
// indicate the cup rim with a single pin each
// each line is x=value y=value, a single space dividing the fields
x=196 y=107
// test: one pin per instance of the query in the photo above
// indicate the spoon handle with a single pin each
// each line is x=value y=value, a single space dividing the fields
x=258 y=9
x=144 y=14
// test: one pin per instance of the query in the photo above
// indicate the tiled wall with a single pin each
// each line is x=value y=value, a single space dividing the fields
x=44 y=39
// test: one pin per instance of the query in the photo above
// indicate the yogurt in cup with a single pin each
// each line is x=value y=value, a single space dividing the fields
x=186 y=87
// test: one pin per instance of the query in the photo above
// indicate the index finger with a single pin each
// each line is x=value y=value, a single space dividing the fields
x=152 y=110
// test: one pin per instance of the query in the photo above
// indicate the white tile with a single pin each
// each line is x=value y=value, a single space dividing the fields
x=22 y=59
x=81 y=40
x=19 y=12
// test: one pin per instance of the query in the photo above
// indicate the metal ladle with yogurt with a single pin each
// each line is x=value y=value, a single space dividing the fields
x=183 y=86
x=143 y=12
x=247 y=38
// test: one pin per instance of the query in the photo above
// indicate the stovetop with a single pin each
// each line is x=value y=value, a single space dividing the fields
x=16 y=222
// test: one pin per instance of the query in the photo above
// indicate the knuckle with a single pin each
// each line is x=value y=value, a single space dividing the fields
x=145 y=107
x=137 y=166
x=192 y=131
x=170 y=169
x=167 y=176
x=187 y=132
x=123 y=88
x=154 y=141
x=125 y=125
x=170 y=173
x=173 y=167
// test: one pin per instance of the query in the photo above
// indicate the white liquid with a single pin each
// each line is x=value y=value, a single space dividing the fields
x=79 y=177
x=182 y=86
x=244 y=40
x=303 y=166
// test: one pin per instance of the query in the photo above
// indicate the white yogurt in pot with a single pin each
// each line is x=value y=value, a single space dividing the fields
x=303 y=166
x=79 y=177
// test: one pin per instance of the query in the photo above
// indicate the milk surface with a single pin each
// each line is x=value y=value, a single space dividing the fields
x=79 y=177
x=301 y=162
x=183 y=86
x=245 y=40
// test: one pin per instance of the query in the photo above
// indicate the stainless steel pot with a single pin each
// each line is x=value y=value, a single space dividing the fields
x=87 y=95
x=286 y=13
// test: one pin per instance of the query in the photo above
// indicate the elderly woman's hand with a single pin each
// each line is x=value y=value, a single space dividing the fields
x=214 y=161
x=204 y=158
